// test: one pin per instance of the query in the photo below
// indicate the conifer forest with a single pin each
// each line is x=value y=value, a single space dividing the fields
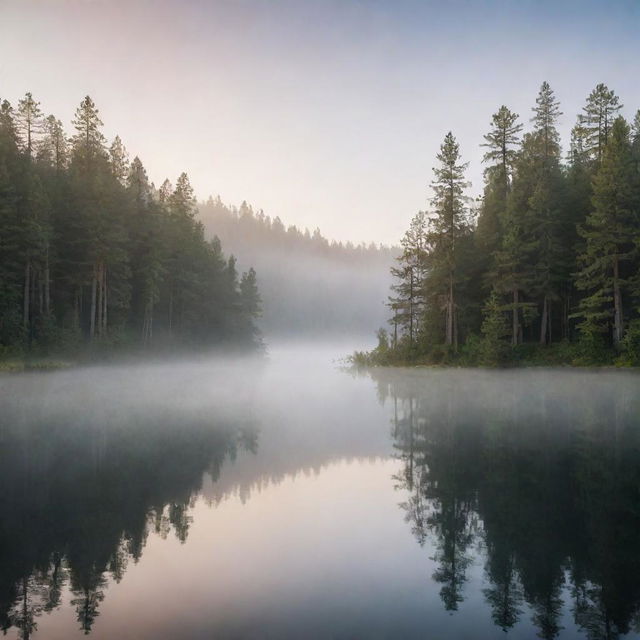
x=94 y=256
x=544 y=267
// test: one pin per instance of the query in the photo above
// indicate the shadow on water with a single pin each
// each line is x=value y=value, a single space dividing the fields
x=541 y=471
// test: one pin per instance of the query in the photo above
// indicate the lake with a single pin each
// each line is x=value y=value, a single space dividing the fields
x=288 y=497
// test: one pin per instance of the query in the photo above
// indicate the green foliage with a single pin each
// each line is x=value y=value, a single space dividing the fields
x=494 y=348
x=609 y=258
x=630 y=352
x=91 y=254
x=552 y=265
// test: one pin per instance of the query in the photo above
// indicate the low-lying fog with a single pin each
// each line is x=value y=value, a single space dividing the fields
x=284 y=496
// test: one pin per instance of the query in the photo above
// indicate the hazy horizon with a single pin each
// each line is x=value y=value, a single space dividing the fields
x=325 y=114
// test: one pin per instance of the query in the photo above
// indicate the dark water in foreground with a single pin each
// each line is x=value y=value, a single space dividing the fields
x=294 y=500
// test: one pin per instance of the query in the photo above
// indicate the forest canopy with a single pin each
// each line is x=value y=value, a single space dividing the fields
x=545 y=266
x=92 y=253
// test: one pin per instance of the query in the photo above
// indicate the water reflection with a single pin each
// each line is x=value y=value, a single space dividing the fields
x=539 y=474
x=521 y=490
x=79 y=501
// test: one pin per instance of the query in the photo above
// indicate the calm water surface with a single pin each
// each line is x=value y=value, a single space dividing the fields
x=292 y=499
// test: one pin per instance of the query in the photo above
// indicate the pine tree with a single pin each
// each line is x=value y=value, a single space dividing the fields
x=609 y=235
x=53 y=147
x=119 y=160
x=250 y=302
x=501 y=142
x=408 y=303
x=449 y=225
x=595 y=123
x=88 y=142
x=147 y=249
x=502 y=155
x=28 y=122
x=546 y=206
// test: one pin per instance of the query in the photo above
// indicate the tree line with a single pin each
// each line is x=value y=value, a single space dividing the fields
x=91 y=252
x=311 y=285
x=545 y=265
x=244 y=225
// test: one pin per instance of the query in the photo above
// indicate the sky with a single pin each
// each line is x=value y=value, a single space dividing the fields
x=327 y=113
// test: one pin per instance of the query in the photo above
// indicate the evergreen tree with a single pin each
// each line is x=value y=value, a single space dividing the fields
x=502 y=155
x=448 y=227
x=53 y=147
x=595 y=123
x=28 y=122
x=546 y=207
x=89 y=248
x=609 y=233
x=119 y=160
x=408 y=304
x=250 y=302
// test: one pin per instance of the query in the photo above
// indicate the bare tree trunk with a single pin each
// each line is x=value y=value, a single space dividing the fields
x=99 y=300
x=40 y=293
x=450 y=307
x=617 y=303
x=47 y=285
x=104 y=298
x=76 y=310
x=27 y=294
x=543 y=322
x=455 y=326
x=94 y=285
x=411 y=308
x=516 y=320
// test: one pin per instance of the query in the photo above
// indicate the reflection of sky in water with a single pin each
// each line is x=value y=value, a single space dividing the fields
x=326 y=554
x=298 y=528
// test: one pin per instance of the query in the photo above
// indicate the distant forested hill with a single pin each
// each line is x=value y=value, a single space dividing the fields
x=309 y=285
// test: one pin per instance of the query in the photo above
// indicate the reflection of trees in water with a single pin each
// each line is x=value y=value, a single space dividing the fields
x=543 y=476
x=78 y=504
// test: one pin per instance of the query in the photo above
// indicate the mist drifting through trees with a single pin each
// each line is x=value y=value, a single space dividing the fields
x=92 y=253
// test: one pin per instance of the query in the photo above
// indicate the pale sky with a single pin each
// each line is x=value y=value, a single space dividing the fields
x=327 y=113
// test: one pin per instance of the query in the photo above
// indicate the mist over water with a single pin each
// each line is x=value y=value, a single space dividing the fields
x=283 y=496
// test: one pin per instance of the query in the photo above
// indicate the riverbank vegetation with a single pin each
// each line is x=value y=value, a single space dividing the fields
x=544 y=268
x=95 y=258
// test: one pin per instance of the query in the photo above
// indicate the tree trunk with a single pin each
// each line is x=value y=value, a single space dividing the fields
x=94 y=285
x=27 y=294
x=47 y=285
x=617 y=304
x=104 y=298
x=544 y=321
x=99 y=301
x=516 y=320
x=40 y=293
x=455 y=326
x=449 y=331
x=411 y=308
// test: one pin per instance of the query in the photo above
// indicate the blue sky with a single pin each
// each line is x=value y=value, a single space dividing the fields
x=327 y=113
